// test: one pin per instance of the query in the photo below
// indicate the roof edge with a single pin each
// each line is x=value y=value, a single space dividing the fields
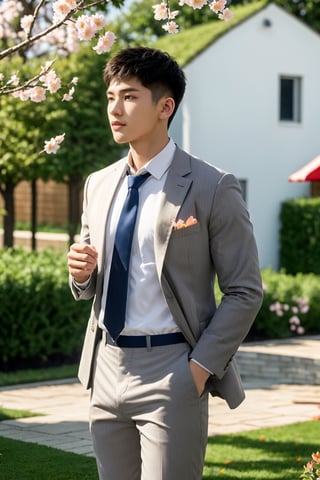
x=176 y=46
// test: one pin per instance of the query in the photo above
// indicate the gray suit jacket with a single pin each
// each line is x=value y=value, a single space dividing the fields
x=221 y=244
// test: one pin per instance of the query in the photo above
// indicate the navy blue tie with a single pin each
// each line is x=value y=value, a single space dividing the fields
x=116 y=302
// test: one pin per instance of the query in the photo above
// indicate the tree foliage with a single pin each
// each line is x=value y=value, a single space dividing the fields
x=136 y=25
x=306 y=10
x=88 y=142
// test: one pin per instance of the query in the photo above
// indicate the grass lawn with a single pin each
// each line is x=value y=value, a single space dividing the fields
x=266 y=454
x=28 y=461
x=9 y=414
x=38 y=375
x=272 y=453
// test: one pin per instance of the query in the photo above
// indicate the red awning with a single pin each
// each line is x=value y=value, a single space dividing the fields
x=308 y=173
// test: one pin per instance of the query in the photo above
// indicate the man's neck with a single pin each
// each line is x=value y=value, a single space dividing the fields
x=140 y=155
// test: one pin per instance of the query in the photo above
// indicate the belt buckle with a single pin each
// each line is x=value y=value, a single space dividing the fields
x=148 y=342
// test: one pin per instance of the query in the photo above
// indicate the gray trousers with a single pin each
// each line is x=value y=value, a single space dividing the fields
x=146 y=417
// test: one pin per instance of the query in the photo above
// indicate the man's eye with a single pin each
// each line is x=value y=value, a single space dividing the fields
x=129 y=97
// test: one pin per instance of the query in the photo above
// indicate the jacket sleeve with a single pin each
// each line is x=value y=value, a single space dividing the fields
x=234 y=255
x=88 y=292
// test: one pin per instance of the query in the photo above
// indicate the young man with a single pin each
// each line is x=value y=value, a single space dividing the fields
x=156 y=344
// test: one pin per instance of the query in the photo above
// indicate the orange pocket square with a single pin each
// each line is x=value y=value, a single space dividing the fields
x=184 y=224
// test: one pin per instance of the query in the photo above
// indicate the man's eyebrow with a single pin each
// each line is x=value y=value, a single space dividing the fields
x=124 y=90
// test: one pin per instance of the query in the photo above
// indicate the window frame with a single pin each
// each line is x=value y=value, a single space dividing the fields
x=244 y=188
x=296 y=99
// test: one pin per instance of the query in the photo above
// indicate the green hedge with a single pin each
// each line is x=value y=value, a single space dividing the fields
x=40 y=321
x=300 y=235
x=290 y=306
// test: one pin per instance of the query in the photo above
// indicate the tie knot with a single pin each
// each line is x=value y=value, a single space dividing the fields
x=135 y=181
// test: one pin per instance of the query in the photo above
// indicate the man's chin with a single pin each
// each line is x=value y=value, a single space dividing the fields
x=120 y=139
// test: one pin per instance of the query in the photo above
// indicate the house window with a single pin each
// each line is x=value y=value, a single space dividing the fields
x=243 y=185
x=290 y=99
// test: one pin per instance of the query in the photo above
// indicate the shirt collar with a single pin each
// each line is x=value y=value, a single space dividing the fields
x=159 y=164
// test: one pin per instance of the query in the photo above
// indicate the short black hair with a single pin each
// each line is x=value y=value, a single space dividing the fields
x=155 y=69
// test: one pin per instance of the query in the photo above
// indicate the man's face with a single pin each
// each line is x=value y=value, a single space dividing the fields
x=132 y=114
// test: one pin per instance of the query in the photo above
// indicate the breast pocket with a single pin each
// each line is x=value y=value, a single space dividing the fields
x=184 y=248
x=184 y=231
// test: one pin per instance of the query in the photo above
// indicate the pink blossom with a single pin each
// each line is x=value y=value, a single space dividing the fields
x=37 y=94
x=218 y=5
x=300 y=330
x=197 y=4
x=51 y=81
x=303 y=304
x=67 y=97
x=23 y=95
x=26 y=22
x=171 y=27
x=85 y=27
x=226 y=15
x=99 y=21
x=275 y=306
x=295 y=310
x=160 y=11
x=105 y=43
x=173 y=14
x=1 y=77
x=53 y=145
x=75 y=80
x=294 y=320
x=54 y=84
x=61 y=8
x=14 y=80
x=302 y=301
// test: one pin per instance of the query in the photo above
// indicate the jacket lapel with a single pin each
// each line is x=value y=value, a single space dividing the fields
x=175 y=190
x=104 y=202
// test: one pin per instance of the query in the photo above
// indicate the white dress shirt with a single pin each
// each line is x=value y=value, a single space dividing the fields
x=147 y=311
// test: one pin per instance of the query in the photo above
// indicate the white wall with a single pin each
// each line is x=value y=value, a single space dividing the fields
x=230 y=114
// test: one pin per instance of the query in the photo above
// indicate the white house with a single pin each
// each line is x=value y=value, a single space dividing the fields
x=252 y=107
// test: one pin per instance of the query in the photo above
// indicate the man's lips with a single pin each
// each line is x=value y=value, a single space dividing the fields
x=117 y=125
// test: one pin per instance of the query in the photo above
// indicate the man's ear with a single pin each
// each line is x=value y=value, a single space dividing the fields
x=166 y=107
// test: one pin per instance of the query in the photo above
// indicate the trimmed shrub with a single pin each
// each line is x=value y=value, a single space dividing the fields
x=40 y=320
x=42 y=324
x=290 y=306
x=300 y=235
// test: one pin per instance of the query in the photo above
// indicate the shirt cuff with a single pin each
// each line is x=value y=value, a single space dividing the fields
x=200 y=365
x=82 y=285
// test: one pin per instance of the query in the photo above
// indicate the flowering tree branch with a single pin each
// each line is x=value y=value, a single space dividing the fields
x=63 y=24
x=30 y=40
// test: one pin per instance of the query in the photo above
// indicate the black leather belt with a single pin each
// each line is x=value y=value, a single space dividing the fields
x=147 y=341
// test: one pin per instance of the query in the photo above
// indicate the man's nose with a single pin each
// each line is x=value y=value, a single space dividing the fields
x=115 y=107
